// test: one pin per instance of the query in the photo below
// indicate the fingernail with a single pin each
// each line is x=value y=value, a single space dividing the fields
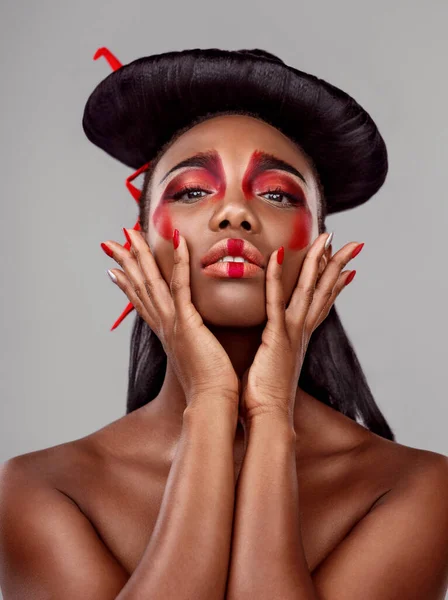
x=280 y=255
x=127 y=236
x=350 y=277
x=329 y=238
x=357 y=250
x=176 y=238
x=106 y=249
x=112 y=276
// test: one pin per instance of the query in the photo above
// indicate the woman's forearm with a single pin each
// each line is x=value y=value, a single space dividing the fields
x=188 y=553
x=267 y=556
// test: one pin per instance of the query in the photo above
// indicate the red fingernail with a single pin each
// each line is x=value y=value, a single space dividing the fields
x=106 y=249
x=357 y=250
x=350 y=277
x=280 y=255
x=176 y=238
x=127 y=236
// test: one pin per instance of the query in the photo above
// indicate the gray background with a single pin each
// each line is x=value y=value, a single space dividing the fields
x=63 y=373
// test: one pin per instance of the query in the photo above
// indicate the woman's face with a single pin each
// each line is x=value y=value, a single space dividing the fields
x=232 y=200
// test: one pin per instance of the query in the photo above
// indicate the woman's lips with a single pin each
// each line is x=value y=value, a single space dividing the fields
x=233 y=247
x=232 y=269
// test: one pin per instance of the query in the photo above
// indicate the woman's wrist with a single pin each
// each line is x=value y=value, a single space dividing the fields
x=212 y=407
x=273 y=421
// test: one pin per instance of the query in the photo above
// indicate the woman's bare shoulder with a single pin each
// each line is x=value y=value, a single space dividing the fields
x=378 y=464
x=403 y=467
x=45 y=463
x=365 y=455
x=121 y=442
x=415 y=459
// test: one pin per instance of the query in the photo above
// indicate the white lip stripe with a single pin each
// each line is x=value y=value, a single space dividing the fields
x=232 y=259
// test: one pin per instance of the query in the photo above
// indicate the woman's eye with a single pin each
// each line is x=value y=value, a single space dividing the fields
x=274 y=194
x=187 y=191
x=280 y=193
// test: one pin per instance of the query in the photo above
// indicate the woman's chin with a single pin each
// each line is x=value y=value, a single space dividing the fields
x=243 y=315
x=230 y=304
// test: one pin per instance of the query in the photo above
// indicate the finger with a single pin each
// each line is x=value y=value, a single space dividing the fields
x=156 y=287
x=180 y=285
x=303 y=294
x=324 y=262
x=275 y=300
x=340 y=285
x=124 y=284
x=137 y=281
x=325 y=286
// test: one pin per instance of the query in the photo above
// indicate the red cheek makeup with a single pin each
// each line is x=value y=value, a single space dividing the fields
x=301 y=233
x=162 y=221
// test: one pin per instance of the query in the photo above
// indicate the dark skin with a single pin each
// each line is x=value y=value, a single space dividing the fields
x=372 y=513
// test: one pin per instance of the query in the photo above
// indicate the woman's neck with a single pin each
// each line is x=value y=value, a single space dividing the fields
x=319 y=428
x=241 y=345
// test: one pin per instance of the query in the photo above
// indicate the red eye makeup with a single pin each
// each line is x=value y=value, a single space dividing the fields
x=258 y=180
x=209 y=171
x=259 y=164
x=192 y=180
x=274 y=183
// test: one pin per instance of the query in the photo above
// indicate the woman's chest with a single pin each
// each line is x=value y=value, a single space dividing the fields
x=123 y=503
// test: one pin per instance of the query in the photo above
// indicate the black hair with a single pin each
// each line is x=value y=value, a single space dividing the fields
x=331 y=371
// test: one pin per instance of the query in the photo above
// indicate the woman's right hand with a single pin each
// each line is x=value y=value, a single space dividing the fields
x=202 y=365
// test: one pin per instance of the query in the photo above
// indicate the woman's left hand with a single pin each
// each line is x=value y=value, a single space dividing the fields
x=270 y=384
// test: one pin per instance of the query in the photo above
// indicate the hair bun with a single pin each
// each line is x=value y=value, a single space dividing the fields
x=262 y=54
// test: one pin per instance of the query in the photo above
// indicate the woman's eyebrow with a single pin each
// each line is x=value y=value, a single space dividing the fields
x=202 y=159
x=263 y=162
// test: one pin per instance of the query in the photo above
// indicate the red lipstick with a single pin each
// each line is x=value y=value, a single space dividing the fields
x=233 y=247
x=233 y=269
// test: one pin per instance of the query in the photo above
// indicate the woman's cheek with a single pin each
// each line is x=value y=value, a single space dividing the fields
x=301 y=230
x=162 y=221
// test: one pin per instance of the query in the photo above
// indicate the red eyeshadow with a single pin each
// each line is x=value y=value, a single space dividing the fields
x=219 y=177
x=215 y=177
x=268 y=178
x=271 y=180
x=250 y=174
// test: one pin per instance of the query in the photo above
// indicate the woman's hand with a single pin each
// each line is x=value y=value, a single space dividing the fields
x=202 y=365
x=270 y=384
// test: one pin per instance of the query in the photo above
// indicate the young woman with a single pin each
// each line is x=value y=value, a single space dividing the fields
x=253 y=461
